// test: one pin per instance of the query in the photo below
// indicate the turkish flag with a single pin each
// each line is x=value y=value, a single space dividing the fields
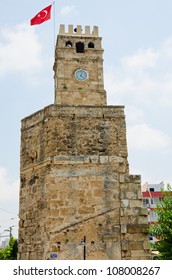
x=42 y=16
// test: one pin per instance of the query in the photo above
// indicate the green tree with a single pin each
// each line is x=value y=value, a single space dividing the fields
x=10 y=251
x=163 y=229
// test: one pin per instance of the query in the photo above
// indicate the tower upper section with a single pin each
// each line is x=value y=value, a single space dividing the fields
x=78 y=67
x=78 y=31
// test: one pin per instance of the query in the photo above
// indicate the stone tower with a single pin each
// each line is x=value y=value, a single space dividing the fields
x=78 y=68
x=75 y=181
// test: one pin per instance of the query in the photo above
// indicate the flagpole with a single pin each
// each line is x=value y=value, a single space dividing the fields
x=54 y=24
x=54 y=45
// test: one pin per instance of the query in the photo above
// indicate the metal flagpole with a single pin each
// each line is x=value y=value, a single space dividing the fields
x=54 y=23
x=54 y=45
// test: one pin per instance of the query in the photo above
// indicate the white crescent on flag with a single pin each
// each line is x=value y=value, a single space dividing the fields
x=43 y=14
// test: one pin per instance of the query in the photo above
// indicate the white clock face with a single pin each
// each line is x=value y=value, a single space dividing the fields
x=81 y=75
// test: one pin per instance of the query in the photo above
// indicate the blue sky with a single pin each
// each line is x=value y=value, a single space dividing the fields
x=137 y=42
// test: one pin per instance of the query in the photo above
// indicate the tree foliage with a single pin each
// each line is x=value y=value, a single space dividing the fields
x=10 y=251
x=163 y=229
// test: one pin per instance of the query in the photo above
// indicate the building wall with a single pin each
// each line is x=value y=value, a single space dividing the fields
x=152 y=194
x=75 y=182
x=69 y=91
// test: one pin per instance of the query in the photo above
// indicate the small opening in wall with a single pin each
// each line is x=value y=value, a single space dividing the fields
x=91 y=45
x=92 y=242
x=68 y=44
x=80 y=47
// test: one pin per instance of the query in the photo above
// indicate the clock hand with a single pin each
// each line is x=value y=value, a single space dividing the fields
x=80 y=75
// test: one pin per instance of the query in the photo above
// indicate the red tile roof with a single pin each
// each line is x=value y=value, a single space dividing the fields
x=152 y=194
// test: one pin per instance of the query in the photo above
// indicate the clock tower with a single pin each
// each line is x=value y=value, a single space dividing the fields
x=78 y=67
x=75 y=185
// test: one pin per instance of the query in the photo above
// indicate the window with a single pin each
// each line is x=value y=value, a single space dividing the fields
x=68 y=44
x=152 y=200
x=145 y=202
x=80 y=47
x=151 y=189
x=91 y=45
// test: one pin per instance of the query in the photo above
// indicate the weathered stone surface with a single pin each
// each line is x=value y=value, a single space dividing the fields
x=66 y=196
x=75 y=179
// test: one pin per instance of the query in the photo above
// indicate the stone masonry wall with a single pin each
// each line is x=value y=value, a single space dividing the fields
x=75 y=182
x=68 y=90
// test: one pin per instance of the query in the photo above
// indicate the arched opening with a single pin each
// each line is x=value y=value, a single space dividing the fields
x=91 y=45
x=68 y=44
x=79 y=47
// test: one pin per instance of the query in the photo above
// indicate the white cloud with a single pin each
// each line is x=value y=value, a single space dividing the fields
x=142 y=59
x=143 y=83
x=167 y=48
x=67 y=10
x=142 y=136
x=142 y=78
x=20 y=49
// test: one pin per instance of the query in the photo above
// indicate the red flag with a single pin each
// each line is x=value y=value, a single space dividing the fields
x=42 y=16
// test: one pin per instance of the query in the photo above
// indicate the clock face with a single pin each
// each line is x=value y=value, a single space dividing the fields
x=81 y=75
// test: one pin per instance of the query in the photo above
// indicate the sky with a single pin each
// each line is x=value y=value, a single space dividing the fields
x=137 y=42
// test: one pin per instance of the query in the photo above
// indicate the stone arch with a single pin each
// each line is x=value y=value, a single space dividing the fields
x=69 y=44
